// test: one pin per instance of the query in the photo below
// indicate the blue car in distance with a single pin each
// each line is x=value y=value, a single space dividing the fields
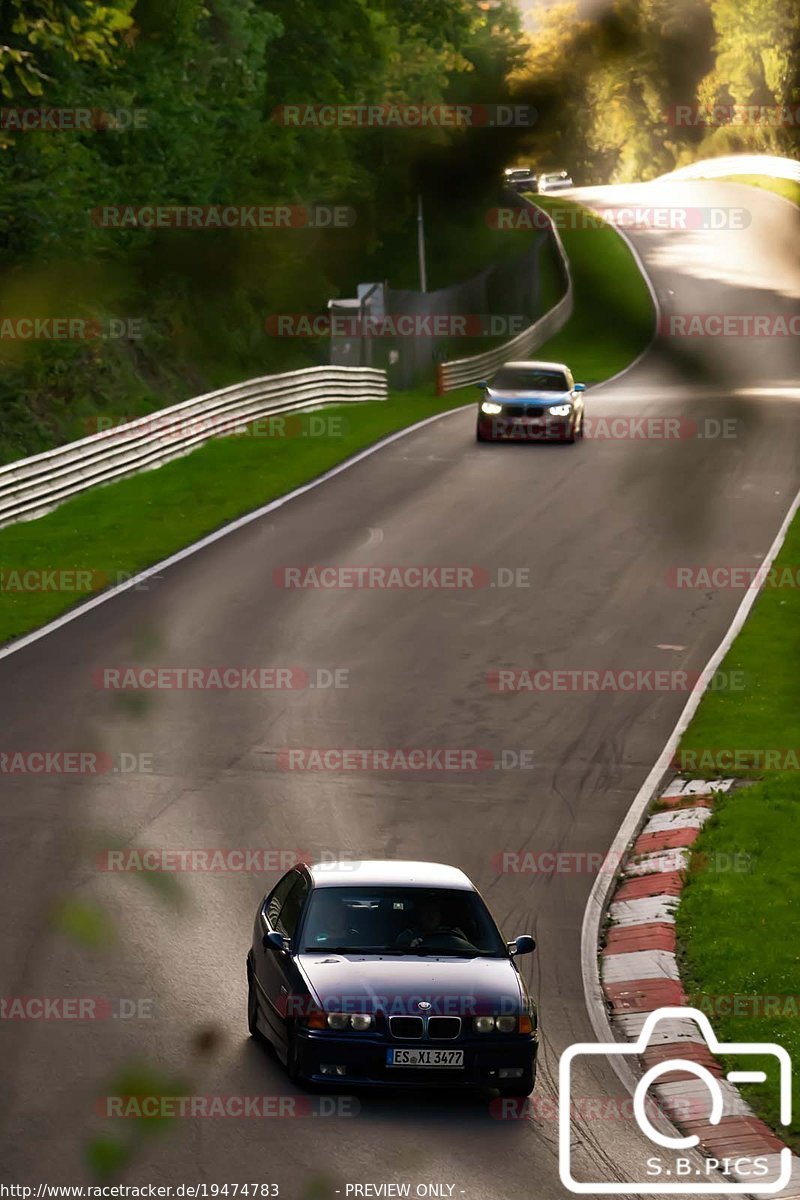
x=390 y=974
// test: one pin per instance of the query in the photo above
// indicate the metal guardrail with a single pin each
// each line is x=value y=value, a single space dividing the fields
x=462 y=371
x=33 y=486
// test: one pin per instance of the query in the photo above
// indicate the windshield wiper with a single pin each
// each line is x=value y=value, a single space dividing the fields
x=433 y=952
x=333 y=950
x=372 y=950
x=410 y=951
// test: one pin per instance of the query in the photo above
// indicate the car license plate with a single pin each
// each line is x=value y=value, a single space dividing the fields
x=416 y=1056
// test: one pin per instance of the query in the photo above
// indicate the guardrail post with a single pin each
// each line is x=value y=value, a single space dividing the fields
x=440 y=388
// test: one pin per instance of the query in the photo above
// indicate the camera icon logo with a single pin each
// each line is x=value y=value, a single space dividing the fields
x=671 y=1141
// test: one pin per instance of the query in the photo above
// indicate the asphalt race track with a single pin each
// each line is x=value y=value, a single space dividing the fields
x=597 y=527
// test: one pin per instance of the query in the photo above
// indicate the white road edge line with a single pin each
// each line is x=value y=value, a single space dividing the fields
x=605 y=883
x=748 y=186
x=599 y=895
x=239 y=523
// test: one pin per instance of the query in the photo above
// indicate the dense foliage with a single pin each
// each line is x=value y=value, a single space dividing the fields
x=642 y=86
x=185 y=97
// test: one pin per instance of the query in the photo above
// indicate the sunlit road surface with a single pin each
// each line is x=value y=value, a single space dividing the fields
x=600 y=528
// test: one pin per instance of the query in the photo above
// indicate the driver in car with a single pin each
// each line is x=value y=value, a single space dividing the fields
x=430 y=928
x=336 y=928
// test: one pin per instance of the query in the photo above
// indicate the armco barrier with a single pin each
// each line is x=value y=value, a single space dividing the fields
x=462 y=371
x=33 y=486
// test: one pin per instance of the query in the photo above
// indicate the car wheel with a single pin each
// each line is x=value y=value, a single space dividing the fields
x=572 y=435
x=252 y=1006
x=520 y=1087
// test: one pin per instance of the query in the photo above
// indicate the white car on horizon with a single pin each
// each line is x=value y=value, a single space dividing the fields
x=555 y=181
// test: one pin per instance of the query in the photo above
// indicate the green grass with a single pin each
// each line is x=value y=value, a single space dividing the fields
x=613 y=319
x=765 y=714
x=737 y=929
x=115 y=531
x=119 y=529
x=783 y=187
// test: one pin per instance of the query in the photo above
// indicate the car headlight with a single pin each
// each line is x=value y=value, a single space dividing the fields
x=560 y=410
x=362 y=1021
x=504 y=1024
x=491 y=408
x=358 y=1021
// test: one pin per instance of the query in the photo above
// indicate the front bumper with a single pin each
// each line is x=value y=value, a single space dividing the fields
x=525 y=429
x=364 y=1059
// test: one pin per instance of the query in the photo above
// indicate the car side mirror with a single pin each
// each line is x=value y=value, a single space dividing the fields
x=579 y=387
x=482 y=384
x=524 y=944
x=274 y=941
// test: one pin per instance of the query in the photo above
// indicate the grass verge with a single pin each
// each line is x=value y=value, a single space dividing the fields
x=740 y=908
x=739 y=961
x=746 y=728
x=613 y=318
x=113 y=532
x=110 y=533
x=782 y=187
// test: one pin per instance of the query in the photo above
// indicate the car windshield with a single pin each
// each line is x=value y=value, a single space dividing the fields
x=401 y=920
x=521 y=174
x=528 y=379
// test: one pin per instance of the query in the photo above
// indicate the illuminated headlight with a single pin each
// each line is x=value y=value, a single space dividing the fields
x=491 y=408
x=358 y=1021
x=560 y=410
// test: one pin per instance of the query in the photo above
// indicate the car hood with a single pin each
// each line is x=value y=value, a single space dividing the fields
x=501 y=396
x=396 y=984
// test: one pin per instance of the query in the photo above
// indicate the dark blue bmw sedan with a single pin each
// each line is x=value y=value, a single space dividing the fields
x=390 y=974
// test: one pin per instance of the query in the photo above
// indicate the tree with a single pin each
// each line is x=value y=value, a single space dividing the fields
x=37 y=37
x=756 y=44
